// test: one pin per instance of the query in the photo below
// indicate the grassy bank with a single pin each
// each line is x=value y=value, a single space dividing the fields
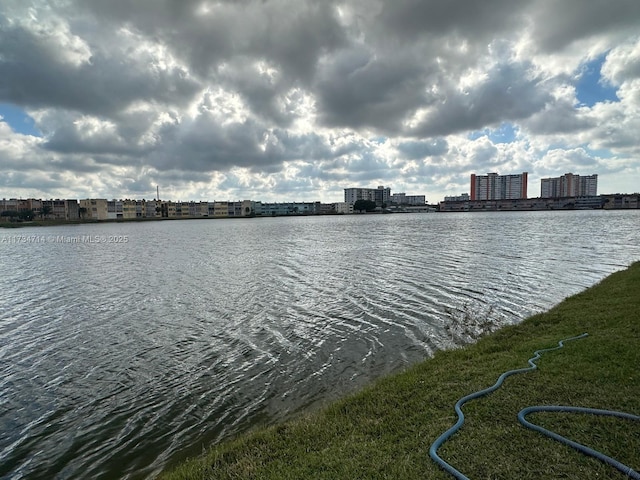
x=385 y=431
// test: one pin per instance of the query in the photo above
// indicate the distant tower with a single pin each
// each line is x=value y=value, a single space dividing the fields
x=498 y=187
x=157 y=192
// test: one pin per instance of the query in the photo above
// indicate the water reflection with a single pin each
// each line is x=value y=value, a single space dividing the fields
x=118 y=358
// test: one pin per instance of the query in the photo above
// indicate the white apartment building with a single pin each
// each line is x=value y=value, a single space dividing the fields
x=380 y=195
x=498 y=187
x=569 y=185
x=404 y=199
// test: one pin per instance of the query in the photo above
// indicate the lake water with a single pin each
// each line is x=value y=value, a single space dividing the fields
x=126 y=347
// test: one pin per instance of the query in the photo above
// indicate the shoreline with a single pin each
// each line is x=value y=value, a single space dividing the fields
x=385 y=430
x=55 y=223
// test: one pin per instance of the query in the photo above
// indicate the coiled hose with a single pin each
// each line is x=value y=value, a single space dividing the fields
x=521 y=417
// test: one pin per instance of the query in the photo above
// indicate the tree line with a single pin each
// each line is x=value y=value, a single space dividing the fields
x=25 y=215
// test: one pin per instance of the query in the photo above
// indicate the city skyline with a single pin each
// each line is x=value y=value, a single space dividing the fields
x=482 y=187
x=492 y=186
x=288 y=101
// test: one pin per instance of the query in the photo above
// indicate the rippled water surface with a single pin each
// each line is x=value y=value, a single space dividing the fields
x=120 y=358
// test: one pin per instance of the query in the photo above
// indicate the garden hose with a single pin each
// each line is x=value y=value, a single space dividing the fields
x=581 y=448
x=521 y=417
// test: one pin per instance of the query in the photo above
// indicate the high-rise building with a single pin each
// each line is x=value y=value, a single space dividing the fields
x=498 y=187
x=569 y=185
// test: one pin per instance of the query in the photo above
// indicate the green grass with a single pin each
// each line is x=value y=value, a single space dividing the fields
x=385 y=430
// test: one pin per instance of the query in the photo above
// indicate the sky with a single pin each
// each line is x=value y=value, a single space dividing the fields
x=296 y=100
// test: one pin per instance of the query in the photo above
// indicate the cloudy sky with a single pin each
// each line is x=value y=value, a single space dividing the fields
x=282 y=100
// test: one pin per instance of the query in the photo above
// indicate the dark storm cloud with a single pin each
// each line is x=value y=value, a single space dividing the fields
x=559 y=24
x=34 y=73
x=265 y=96
x=291 y=34
x=307 y=146
x=478 y=20
x=219 y=43
x=359 y=88
x=323 y=171
x=510 y=92
x=206 y=145
x=69 y=139
x=414 y=150
x=80 y=163
x=138 y=186
x=69 y=133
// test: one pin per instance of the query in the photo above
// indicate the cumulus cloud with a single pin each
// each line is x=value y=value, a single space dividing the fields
x=505 y=92
x=622 y=63
x=417 y=149
x=267 y=100
x=557 y=25
x=38 y=70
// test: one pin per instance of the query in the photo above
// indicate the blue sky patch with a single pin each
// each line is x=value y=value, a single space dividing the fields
x=19 y=120
x=505 y=133
x=591 y=89
x=601 y=153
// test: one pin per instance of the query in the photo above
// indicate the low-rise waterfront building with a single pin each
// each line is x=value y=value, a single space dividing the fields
x=524 y=204
x=247 y=208
x=404 y=199
x=35 y=205
x=624 y=201
x=184 y=209
x=463 y=197
x=220 y=209
x=343 y=207
x=154 y=209
x=9 y=205
x=21 y=205
x=114 y=209
x=202 y=209
x=290 y=208
x=236 y=209
x=94 y=208
x=128 y=209
x=60 y=209
x=327 y=209
x=380 y=195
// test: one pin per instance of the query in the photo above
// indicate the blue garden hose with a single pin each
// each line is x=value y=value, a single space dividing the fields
x=581 y=448
x=458 y=408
